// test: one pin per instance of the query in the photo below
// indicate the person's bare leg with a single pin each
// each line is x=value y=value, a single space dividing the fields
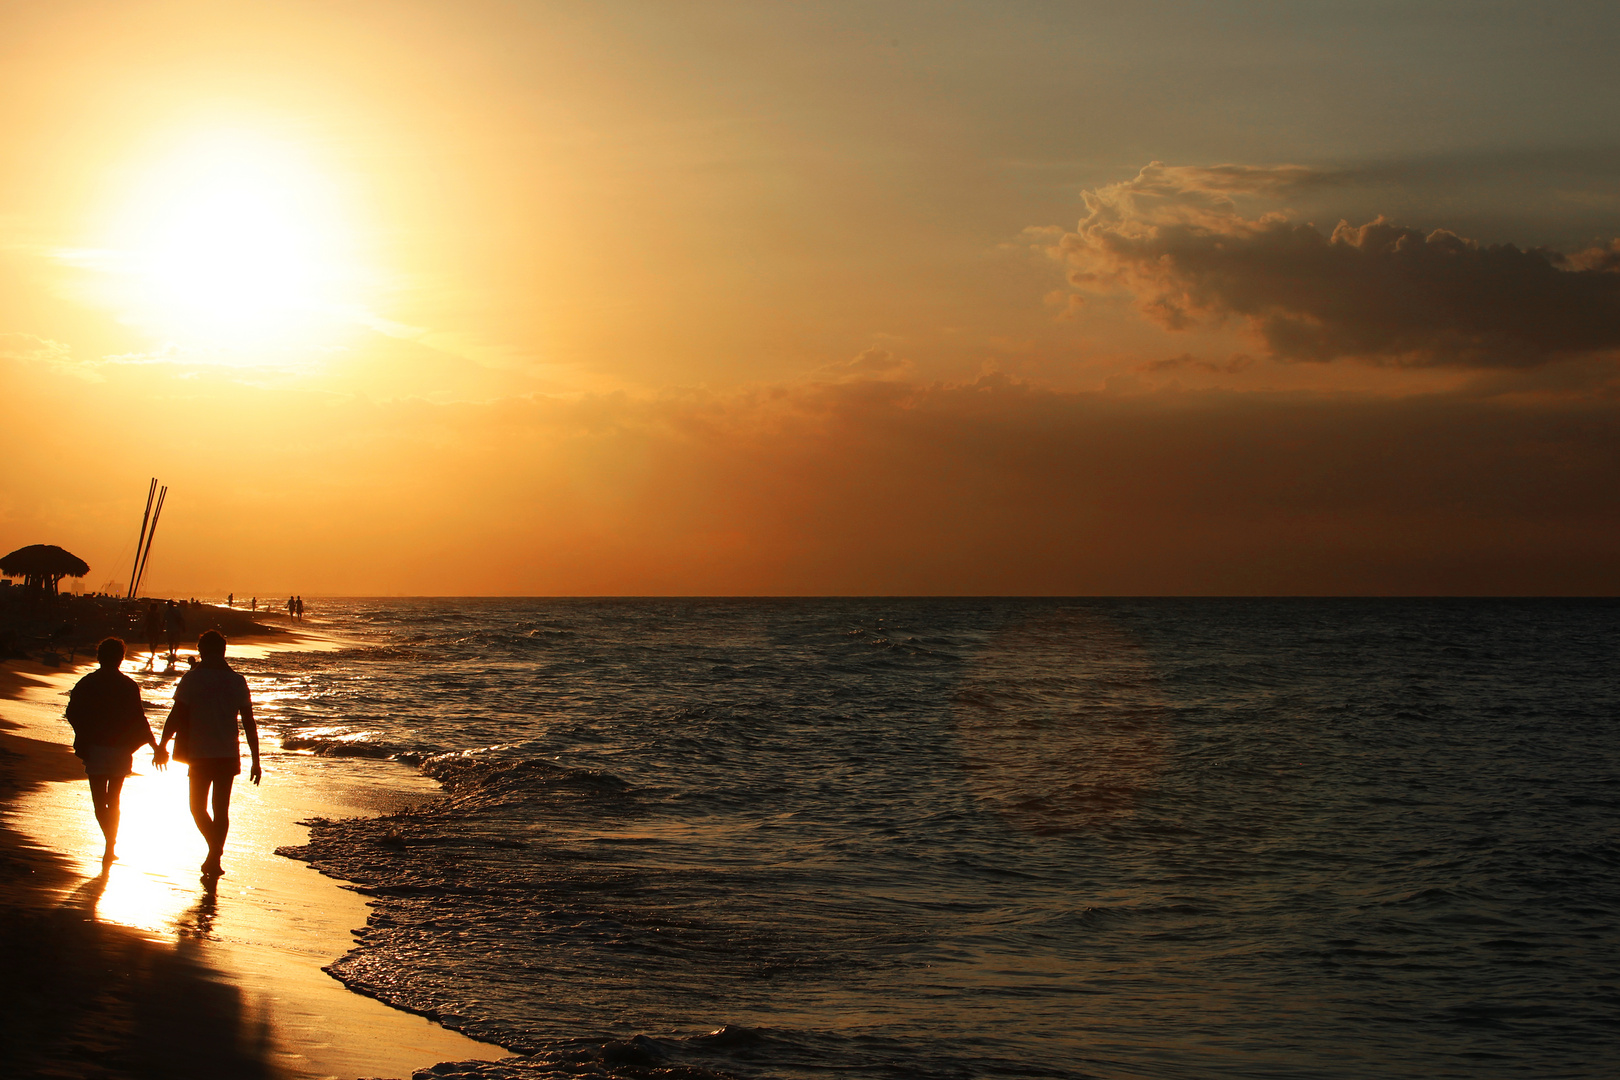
x=104 y=793
x=222 y=822
x=199 y=814
x=98 y=801
x=215 y=827
x=115 y=791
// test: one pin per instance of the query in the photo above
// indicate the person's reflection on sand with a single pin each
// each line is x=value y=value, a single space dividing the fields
x=87 y=998
x=197 y=921
x=83 y=900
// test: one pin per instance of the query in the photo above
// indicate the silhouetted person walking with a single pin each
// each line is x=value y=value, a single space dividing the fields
x=154 y=630
x=203 y=724
x=174 y=624
x=109 y=725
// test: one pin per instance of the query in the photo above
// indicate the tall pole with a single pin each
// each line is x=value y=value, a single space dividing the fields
x=162 y=494
x=151 y=489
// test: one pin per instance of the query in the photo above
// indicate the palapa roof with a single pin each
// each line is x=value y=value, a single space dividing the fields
x=43 y=560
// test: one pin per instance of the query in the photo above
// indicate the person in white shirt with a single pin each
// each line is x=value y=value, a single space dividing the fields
x=203 y=725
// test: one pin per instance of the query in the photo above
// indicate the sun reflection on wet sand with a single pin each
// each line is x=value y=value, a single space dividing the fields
x=271 y=923
x=159 y=849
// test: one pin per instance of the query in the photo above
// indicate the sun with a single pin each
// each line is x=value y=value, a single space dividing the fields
x=232 y=239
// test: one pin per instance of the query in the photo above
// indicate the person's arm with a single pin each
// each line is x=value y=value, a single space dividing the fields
x=250 y=728
x=74 y=713
x=179 y=717
x=160 y=756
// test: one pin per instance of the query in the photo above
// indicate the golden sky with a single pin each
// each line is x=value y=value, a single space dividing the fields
x=837 y=298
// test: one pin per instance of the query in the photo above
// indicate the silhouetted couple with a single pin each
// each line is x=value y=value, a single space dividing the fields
x=109 y=725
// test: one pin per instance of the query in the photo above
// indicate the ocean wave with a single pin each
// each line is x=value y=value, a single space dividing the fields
x=665 y=825
x=338 y=746
x=639 y=1057
x=484 y=775
x=726 y=1053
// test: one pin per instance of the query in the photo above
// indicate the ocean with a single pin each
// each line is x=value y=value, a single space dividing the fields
x=948 y=838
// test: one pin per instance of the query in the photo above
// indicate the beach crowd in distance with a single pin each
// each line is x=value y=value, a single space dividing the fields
x=65 y=628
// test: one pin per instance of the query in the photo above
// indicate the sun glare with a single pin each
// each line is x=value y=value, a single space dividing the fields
x=232 y=240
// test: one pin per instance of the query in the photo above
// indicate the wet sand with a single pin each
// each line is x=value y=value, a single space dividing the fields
x=146 y=971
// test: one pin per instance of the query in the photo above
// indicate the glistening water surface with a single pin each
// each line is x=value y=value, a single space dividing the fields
x=978 y=838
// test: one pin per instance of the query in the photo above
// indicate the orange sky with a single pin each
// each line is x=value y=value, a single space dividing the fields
x=555 y=298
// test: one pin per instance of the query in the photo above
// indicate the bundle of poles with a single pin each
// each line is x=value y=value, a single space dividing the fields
x=143 y=546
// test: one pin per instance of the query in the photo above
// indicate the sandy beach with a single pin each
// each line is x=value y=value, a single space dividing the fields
x=143 y=970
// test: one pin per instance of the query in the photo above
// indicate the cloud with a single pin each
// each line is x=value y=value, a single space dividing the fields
x=33 y=349
x=1380 y=293
x=1231 y=366
x=1001 y=486
x=1205 y=195
x=832 y=486
x=873 y=363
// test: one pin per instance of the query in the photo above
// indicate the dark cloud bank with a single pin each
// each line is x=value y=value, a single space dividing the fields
x=1000 y=487
x=1380 y=293
x=887 y=486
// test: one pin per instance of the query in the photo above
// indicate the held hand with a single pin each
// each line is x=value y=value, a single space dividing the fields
x=160 y=757
x=255 y=774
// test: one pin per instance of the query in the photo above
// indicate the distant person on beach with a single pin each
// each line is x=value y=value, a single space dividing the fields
x=255 y=604
x=154 y=630
x=174 y=624
x=291 y=607
x=203 y=725
x=300 y=609
x=109 y=724
x=230 y=600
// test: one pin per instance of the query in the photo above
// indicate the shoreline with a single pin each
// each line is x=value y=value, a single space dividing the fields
x=116 y=970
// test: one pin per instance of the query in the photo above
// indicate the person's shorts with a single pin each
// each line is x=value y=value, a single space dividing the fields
x=215 y=768
x=107 y=761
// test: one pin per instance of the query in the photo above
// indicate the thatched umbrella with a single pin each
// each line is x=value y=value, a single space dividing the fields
x=41 y=566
